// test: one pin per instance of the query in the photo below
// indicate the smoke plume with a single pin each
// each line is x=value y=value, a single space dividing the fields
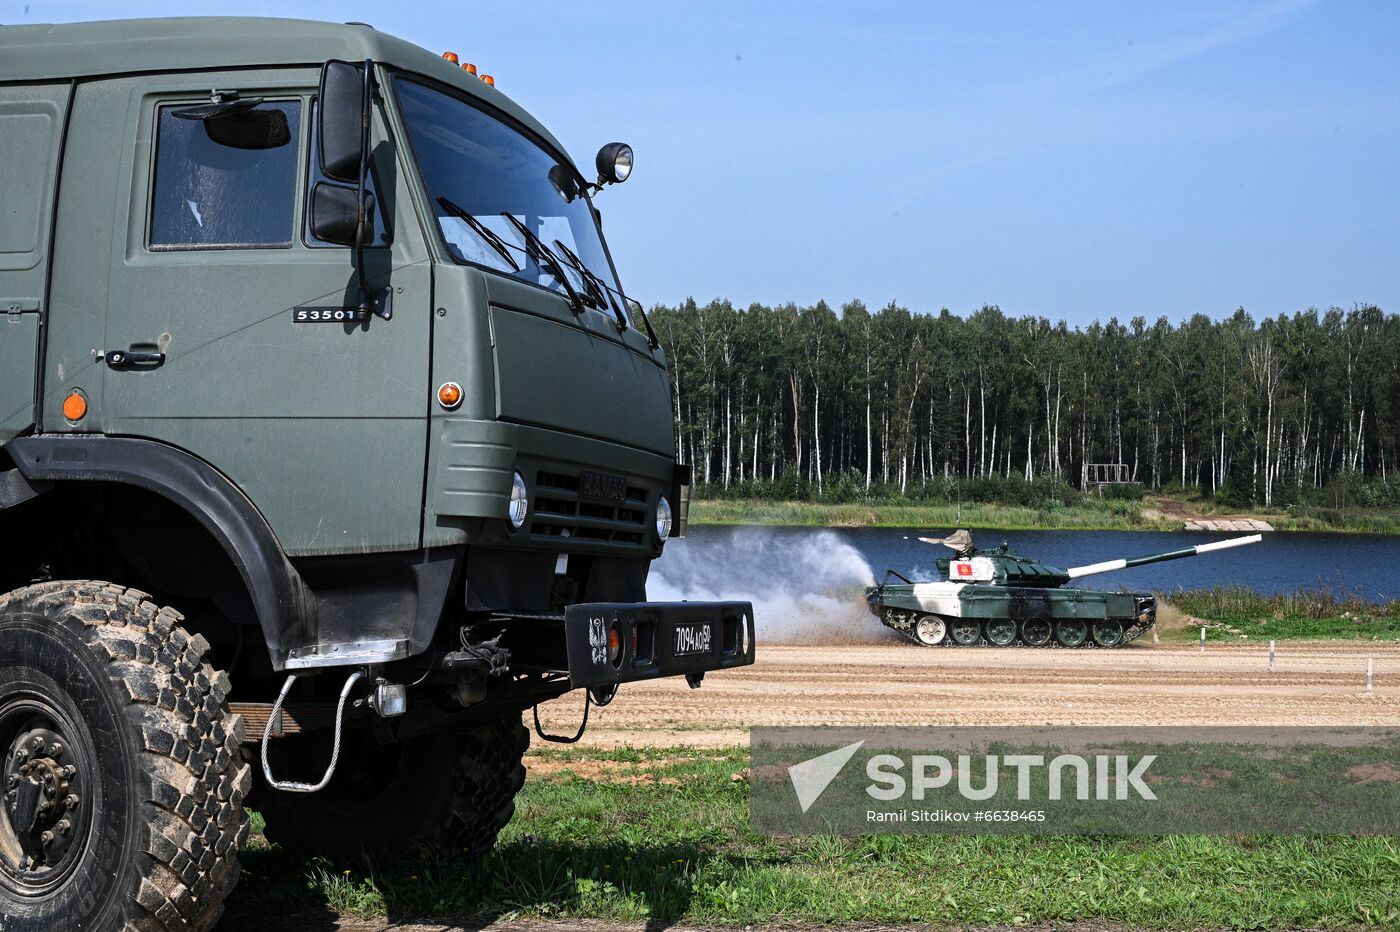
x=806 y=588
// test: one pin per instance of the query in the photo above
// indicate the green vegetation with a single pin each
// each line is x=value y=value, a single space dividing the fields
x=991 y=502
x=1014 y=503
x=1085 y=517
x=1235 y=613
x=663 y=835
x=1297 y=409
x=1085 y=514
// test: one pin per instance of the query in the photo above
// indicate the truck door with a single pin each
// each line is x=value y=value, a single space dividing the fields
x=226 y=330
x=31 y=125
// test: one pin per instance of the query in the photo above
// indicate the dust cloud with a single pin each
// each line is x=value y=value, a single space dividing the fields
x=805 y=589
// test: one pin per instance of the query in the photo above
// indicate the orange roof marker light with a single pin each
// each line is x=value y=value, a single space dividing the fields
x=450 y=56
x=469 y=68
x=489 y=80
x=75 y=406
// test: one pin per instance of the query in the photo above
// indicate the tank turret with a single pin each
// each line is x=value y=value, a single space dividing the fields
x=999 y=598
x=1000 y=567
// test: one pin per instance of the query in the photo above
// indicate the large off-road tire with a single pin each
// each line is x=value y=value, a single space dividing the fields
x=452 y=791
x=111 y=718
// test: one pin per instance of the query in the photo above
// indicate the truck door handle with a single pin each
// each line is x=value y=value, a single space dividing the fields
x=134 y=359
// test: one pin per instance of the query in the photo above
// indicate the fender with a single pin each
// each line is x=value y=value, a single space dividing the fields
x=285 y=605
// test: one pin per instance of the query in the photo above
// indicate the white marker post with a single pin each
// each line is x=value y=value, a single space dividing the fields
x=1203 y=639
x=1370 y=673
x=1271 y=656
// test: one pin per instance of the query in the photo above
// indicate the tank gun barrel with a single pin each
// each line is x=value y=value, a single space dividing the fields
x=1075 y=572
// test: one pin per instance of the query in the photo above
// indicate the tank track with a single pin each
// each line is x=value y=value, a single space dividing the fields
x=1133 y=628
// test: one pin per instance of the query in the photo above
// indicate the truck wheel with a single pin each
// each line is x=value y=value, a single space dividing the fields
x=451 y=791
x=124 y=786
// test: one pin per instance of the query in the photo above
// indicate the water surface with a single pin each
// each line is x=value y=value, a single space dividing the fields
x=1365 y=564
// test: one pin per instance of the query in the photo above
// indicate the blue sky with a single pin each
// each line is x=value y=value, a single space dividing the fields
x=1075 y=160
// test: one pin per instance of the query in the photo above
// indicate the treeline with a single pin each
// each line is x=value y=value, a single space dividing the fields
x=1265 y=412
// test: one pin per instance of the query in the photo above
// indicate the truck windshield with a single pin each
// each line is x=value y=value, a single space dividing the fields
x=476 y=165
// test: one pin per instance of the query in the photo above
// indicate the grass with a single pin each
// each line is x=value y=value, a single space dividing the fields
x=676 y=846
x=1236 y=613
x=1105 y=516
x=1086 y=515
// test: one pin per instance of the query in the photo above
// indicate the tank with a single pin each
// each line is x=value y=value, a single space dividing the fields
x=996 y=598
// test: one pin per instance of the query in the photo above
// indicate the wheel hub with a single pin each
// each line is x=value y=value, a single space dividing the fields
x=42 y=801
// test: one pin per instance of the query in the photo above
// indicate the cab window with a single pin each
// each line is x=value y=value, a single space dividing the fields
x=220 y=189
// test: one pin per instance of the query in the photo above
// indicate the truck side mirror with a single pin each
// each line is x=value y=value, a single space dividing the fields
x=342 y=120
x=335 y=217
x=346 y=215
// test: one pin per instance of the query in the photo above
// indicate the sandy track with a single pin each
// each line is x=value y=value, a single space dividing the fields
x=1313 y=683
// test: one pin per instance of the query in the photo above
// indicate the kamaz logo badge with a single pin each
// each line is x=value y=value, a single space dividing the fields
x=597 y=485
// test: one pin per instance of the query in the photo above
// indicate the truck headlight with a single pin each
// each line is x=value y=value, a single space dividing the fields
x=614 y=163
x=519 y=502
x=663 y=519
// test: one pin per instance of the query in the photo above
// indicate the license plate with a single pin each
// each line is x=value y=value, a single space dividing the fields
x=693 y=639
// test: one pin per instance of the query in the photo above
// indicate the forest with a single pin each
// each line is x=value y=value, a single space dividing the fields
x=812 y=402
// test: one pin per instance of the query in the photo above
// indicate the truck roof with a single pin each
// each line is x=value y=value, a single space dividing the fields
x=49 y=52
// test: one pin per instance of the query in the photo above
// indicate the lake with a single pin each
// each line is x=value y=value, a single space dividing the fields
x=766 y=562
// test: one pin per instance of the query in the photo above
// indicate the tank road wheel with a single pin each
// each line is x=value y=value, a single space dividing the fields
x=1035 y=632
x=965 y=631
x=453 y=791
x=930 y=630
x=124 y=785
x=1071 y=632
x=999 y=631
x=1108 y=633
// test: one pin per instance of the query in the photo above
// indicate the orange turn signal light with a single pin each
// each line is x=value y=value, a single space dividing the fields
x=75 y=406
x=489 y=80
x=450 y=56
x=450 y=395
x=469 y=68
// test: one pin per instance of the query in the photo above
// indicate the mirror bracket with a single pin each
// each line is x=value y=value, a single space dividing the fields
x=381 y=303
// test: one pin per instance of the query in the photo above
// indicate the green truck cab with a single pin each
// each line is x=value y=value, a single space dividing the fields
x=331 y=444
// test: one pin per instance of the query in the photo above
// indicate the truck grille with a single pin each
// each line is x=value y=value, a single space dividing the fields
x=560 y=512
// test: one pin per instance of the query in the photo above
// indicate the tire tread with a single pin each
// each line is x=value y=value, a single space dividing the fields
x=196 y=777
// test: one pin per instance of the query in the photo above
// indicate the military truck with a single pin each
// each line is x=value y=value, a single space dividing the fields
x=331 y=444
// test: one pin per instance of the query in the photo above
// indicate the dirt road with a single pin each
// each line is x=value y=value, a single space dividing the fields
x=1313 y=683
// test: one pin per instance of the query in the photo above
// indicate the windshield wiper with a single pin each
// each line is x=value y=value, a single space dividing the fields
x=555 y=268
x=596 y=286
x=613 y=295
x=481 y=230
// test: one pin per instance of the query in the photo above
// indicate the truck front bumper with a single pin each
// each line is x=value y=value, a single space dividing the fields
x=618 y=642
